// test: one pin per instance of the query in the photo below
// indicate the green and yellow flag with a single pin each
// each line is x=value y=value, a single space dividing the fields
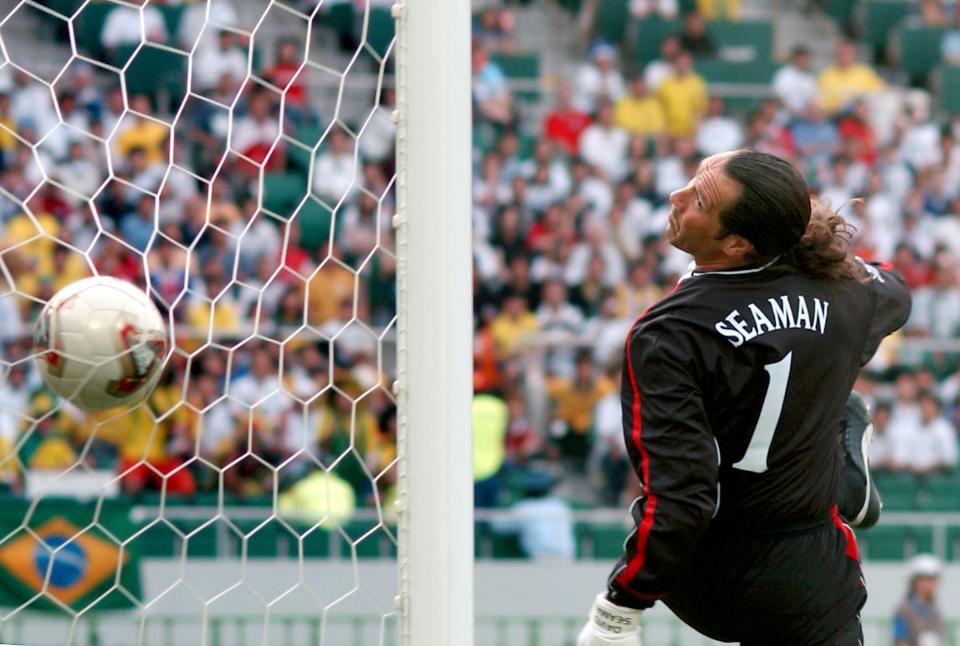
x=67 y=553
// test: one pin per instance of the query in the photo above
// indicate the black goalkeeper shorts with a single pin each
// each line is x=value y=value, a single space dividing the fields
x=797 y=587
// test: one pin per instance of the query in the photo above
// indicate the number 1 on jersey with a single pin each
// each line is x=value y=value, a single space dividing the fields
x=755 y=459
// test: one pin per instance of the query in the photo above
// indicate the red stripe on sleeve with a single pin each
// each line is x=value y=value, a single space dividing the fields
x=643 y=531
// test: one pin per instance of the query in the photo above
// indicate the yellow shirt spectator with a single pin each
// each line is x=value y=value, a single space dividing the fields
x=54 y=453
x=490 y=417
x=37 y=255
x=719 y=9
x=8 y=142
x=147 y=135
x=838 y=86
x=330 y=286
x=574 y=403
x=684 y=99
x=640 y=113
x=512 y=324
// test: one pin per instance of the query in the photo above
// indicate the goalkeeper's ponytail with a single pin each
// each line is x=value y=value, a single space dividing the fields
x=775 y=213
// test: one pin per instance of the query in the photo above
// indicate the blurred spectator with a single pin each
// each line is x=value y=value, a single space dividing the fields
x=931 y=446
x=491 y=93
x=379 y=133
x=513 y=324
x=572 y=402
x=718 y=132
x=917 y=621
x=335 y=168
x=816 y=137
x=604 y=145
x=122 y=26
x=256 y=135
x=663 y=8
x=490 y=417
x=881 y=446
x=564 y=123
x=598 y=80
x=640 y=112
x=684 y=97
x=288 y=74
x=660 y=69
x=950 y=44
x=719 y=9
x=794 y=84
x=694 y=37
x=929 y=13
x=846 y=79
x=542 y=522
x=195 y=21
x=140 y=131
x=936 y=307
x=561 y=323
x=495 y=27
x=137 y=227
x=213 y=61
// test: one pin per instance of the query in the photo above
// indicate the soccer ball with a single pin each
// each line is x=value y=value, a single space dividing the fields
x=100 y=342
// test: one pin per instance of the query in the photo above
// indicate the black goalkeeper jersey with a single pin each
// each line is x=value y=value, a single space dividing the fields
x=733 y=388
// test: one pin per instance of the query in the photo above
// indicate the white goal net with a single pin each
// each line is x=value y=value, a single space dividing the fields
x=234 y=159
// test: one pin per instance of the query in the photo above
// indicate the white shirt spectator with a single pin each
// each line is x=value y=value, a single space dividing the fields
x=596 y=194
x=932 y=445
x=377 y=138
x=592 y=83
x=920 y=146
x=544 y=526
x=194 y=19
x=576 y=268
x=656 y=72
x=947 y=233
x=14 y=401
x=663 y=8
x=606 y=149
x=122 y=27
x=719 y=135
x=333 y=174
x=937 y=311
x=215 y=426
x=669 y=174
x=249 y=132
x=249 y=390
x=796 y=88
x=210 y=63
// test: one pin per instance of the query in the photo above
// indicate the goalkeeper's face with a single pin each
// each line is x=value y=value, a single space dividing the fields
x=694 y=221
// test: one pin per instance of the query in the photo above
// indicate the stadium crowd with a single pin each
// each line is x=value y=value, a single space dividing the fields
x=277 y=360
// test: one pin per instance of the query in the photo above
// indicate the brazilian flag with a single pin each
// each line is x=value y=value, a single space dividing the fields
x=57 y=553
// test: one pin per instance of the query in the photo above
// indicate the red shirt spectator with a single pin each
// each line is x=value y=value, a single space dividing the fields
x=287 y=74
x=564 y=123
x=857 y=135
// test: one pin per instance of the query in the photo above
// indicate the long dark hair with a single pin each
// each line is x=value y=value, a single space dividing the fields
x=775 y=213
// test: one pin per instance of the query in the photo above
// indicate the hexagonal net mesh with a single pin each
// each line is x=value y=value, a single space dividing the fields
x=234 y=159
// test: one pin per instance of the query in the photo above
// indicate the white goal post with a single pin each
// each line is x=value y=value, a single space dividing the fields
x=434 y=328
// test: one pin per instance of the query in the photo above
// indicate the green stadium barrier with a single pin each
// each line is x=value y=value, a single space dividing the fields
x=524 y=67
x=920 y=50
x=753 y=72
x=879 y=17
x=899 y=491
x=380 y=30
x=282 y=192
x=610 y=21
x=894 y=542
x=648 y=32
x=748 y=40
x=950 y=89
x=940 y=493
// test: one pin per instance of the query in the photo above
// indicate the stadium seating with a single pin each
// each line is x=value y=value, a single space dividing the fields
x=743 y=40
x=920 y=50
x=649 y=32
x=899 y=491
x=282 y=192
x=380 y=30
x=950 y=89
x=894 y=542
x=879 y=17
x=611 y=19
x=154 y=71
x=523 y=67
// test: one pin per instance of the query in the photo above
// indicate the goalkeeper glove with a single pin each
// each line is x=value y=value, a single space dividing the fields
x=611 y=625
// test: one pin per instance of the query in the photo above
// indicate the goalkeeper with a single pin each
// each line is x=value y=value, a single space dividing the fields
x=734 y=388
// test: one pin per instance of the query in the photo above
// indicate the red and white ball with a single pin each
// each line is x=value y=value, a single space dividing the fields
x=100 y=343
